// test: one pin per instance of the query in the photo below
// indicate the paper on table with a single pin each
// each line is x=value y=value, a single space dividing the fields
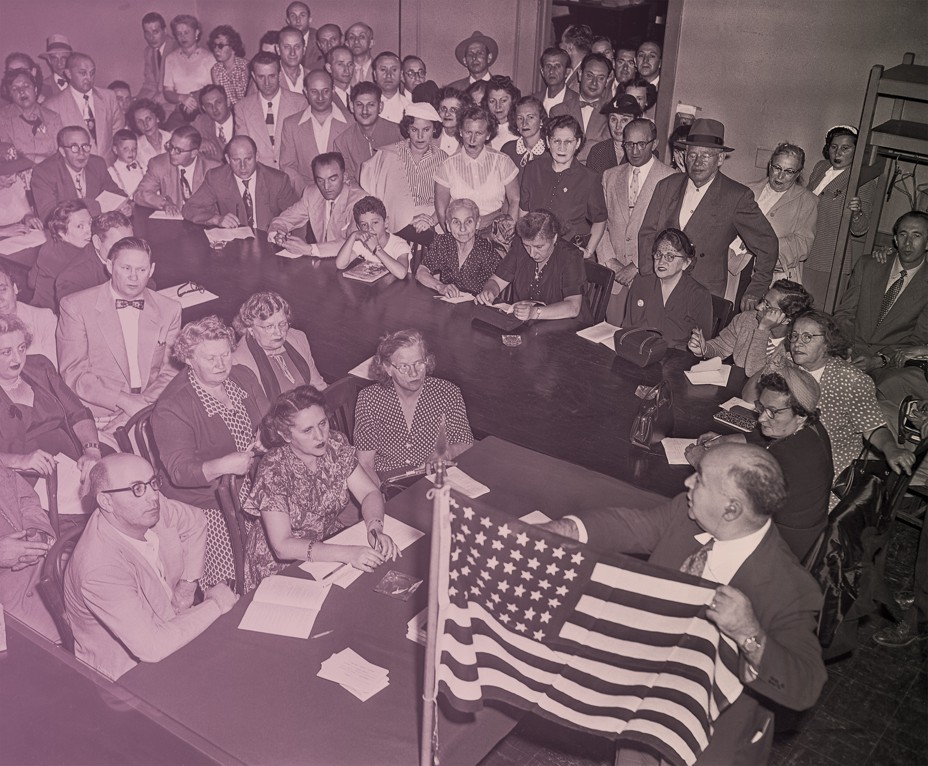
x=460 y=481
x=355 y=674
x=161 y=215
x=69 y=483
x=362 y=370
x=736 y=401
x=14 y=244
x=710 y=372
x=462 y=298
x=228 y=235
x=675 y=450
x=535 y=517
x=296 y=247
x=284 y=253
x=285 y=606
x=603 y=333
x=108 y=201
x=190 y=297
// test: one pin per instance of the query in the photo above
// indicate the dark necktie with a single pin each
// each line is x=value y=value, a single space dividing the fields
x=695 y=563
x=587 y=103
x=185 y=190
x=158 y=58
x=123 y=304
x=269 y=121
x=35 y=124
x=62 y=82
x=89 y=118
x=249 y=205
x=132 y=165
x=890 y=296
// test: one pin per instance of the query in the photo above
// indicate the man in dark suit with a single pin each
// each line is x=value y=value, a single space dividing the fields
x=721 y=530
x=73 y=173
x=57 y=50
x=215 y=123
x=340 y=64
x=553 y=67
x=242 y=192
x=328 y=36
x=713 y=210
x=158 y=44
x=173 y=177
x=884 y=310
x=300 y=18
x=89 y=269
x=594 y=95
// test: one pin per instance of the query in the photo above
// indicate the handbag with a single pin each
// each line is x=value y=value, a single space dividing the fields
x=654 y=419
x=641 y=346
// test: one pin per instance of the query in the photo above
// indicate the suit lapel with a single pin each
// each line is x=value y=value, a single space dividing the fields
x=111 y=329
x=149 y=321
x=705 y=211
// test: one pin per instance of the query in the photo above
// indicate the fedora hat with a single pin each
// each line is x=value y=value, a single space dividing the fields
x=477 y=37
x=709 y=134
x=56 y=43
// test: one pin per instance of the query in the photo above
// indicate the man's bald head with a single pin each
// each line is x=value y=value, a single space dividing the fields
x=82 y=72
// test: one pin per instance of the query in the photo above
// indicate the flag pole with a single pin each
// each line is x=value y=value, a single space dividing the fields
x=440 y=495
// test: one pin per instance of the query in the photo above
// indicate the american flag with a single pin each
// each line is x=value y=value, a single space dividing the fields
x=606 y=644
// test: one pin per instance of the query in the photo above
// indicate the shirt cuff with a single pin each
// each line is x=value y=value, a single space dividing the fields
x=582 y=536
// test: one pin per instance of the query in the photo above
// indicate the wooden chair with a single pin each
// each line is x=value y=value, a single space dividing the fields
x=51 y=584
x=234 y=516
x=597 y=289
x=137 y=437
x=721 y=315
x=341 y=398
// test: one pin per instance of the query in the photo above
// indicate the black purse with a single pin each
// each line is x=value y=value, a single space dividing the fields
x=654 y=419
x=640 y=346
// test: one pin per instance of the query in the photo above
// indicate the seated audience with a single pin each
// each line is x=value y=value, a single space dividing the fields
x=459 y=261
x=214 y=122
x=30 y=126
x=205 y=424
x=397 y=420
x=478 y=172
x=721 y=530
x=126 y=170
x=187 y=69
x=242 y=192
x=230 y=72
x=587 y=110
x=158 y=44
x=73 y=173
x=372 y=242
x=500 y=101
x=530 y=118
x=545 y=270
x=553 y=67
x=368 y=132
x=130 y=583
x=477 y=53
x=276 y=352
x=40 y=323
x=69 y=234
x=145 y=118
x=789 y=428
x=609 y=154
x=114 y=339
x=752 y=335
x=90 y=268
x=403 y=174
x=450 y=103
x=327 y=206
x=25 y=537
x=386 y=73
x=669 y=300
x=302 y=486
x=173 y=177
x=571 y=191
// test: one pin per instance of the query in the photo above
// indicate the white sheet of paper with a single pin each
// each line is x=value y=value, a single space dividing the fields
x=228 y=235
x=296 y=247
x=603 y=333
x=69 y=482
x=535 y=517
x=284 y=253
x=108 y=201
x=736 y=401
x=292 y=591
x=363 y=369
x=188 y=299
x=711 y=372
x=675 y=449
x=462 y=298
x=355 y=674
x=460 y=481
x=161 y=215
x=278 y=620
x=32 y=238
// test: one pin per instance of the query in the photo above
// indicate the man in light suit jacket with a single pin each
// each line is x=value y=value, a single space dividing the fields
x=173 y=177
x=73 y=173
x=130 y=582
x=82 y=104
x=594 y=94
x=262 y=112
x=880 y=345
x=712 y=210
x=114 y=341
x=221 y=198
x=312 y=131
x=619 y=248
x=327 y=206
x=766 y=602
x=215 y=123
x=158 y=44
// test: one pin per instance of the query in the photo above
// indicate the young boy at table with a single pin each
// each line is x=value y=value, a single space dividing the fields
x=126 y=170
x=373 y=242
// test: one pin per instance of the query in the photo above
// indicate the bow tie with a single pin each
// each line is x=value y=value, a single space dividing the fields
x=121 y=304
x=132 y=165
x=586 y=103
x=62 y=82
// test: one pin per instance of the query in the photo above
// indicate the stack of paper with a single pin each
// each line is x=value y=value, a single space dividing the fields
x=461 y=482
x=675 y=450
x=161 y=215
x=228 y=235
x=600 y=333
x=403 y=535
x=709 y=373
x=108 y=201
x=462 y=298
x=285 y=606
x=417 y=627
x=18 y=242
x=355 y=674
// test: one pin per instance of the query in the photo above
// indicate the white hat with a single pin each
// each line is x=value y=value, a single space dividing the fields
x=422 y=110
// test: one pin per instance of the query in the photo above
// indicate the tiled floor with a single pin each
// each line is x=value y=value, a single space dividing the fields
x=872 y=712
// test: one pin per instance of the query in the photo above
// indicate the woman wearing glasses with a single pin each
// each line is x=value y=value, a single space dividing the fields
x=848 y=404
x=145 y=118
x=278 y=354
x=230 y=72
x=396 y=421
x=670 y=300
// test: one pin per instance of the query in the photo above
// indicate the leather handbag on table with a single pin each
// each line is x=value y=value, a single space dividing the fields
x=640 y=346
x=654 y=420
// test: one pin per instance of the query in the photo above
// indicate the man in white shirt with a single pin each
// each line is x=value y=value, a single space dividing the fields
x=553 y=67
x=360 y=40
x=130 y=582
x=387 y=75
x=477 y=53
x=291 y=48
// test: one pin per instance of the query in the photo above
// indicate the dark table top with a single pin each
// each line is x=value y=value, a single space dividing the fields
x=556 y=393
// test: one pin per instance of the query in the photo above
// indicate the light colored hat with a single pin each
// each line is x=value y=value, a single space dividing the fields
x=423 y=111
x=803 y=387
x=56 y=43
x=477 y=37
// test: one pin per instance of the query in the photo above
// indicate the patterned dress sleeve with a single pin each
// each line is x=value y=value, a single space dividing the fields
x=273 y=485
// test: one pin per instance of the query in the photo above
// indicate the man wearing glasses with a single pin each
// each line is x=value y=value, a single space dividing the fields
x=130 y=584
x=73 y=173
x=173 y=177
